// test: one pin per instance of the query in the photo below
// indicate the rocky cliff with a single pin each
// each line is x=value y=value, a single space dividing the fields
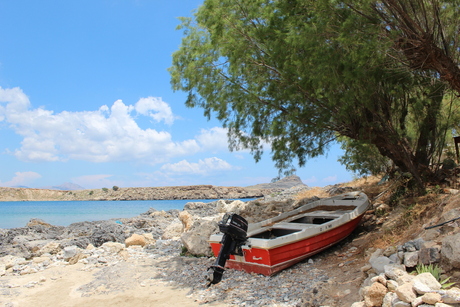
x=282 y=184
x=149 y=193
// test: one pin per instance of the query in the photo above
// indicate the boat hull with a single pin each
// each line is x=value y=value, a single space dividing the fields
x=270 y=261
x=297 y=235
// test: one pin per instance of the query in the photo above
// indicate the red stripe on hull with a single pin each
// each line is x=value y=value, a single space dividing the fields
x=271 y=261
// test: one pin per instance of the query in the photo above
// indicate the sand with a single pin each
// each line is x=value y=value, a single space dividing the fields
x=120 y=285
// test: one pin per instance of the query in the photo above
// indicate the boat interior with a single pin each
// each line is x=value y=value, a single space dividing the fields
x=301 y=221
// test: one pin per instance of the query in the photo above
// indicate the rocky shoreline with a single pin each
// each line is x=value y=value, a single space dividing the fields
x=149 y=193
x=155 y=245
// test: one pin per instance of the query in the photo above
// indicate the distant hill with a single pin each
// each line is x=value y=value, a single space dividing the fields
x=285 y=183
x=67 y=186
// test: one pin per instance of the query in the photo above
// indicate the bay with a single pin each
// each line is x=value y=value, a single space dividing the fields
x=15 y=214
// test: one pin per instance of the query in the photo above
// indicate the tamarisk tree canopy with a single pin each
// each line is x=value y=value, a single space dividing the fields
x=300 y=74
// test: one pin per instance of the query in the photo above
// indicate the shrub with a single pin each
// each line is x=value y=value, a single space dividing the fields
x=115 y=188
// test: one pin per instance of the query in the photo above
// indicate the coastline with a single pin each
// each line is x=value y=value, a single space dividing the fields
x=139 y=193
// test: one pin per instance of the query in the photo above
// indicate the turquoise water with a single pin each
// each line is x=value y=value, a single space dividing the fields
x=15 y=214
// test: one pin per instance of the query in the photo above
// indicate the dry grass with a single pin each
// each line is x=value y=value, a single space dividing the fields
x=316 y=191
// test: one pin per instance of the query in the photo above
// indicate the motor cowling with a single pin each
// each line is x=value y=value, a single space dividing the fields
x=234 y=228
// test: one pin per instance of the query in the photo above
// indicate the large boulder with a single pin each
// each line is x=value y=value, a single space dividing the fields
x=450 y=251
x=195 y=240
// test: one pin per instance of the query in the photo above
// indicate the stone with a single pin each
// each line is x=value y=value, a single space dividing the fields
x=112 y=247
x=75 y=259
x=358 y=304
x=389 y=299
x=450 y=250
x=374 y=294
x=411 y=259
x=395 y=258
x=135 y=239
x=2 y=269
x=196 y=239
x=379 y=263
x=406 y=293
x=149 y=238
x=394 y=271
x=424 y=283
x=70 y=251
x=187 y=219
x=174 y=230
x=392 y=285
x=50 y=248
x=431 y=298
x=430 y=254
x=451 y=296
x=401 y=304
x=390 y=251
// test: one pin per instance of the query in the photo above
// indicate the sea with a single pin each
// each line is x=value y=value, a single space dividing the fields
x=14 y=214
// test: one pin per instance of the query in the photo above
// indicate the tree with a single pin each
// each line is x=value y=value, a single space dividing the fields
x=296 y=74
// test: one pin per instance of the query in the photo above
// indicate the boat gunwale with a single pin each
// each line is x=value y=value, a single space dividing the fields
x=309 y=230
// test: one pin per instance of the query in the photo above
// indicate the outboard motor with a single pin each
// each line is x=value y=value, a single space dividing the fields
x=234 y=228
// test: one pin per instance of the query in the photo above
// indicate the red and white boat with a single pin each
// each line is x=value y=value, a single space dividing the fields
x=277 y=243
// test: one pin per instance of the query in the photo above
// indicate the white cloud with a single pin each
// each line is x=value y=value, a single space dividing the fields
x=22 y=179
x=214 y=139
x=203 y=167
x=106 y=135
x=161 y=110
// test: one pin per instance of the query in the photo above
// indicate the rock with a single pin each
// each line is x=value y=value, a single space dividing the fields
x=75 y=259
x=186 y=218
x=451 y=296
x=390 y=299
x=450 y=250
x=50 y=248
x=149 y=240
x=411 y=259
x=70 y=251
x=429 y=253
x=390 y=251
x=358 y=304
x=174 y=230
x=196 y=239
x=235 y=206
x=374 y=294
x=379 y=263
x=406 y=293
x=394 y=271
x=431 y=298
x=424 y=283
x=35 y=222
x=135 y=239
x=2 y=269
x=112 y=247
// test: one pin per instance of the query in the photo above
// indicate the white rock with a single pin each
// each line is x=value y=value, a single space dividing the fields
x=411 y=259
x=424 y=283
x=112 y=247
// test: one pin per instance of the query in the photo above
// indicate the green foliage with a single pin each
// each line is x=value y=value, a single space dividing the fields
x=91 y=192
x=297 y=74
x=363 y=159
x=115 y=188
x=105 y=189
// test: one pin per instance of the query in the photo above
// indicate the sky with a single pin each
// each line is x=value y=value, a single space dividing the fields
x=85 y=97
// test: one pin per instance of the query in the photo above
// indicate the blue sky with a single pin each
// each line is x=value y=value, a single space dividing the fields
x=85 y=97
